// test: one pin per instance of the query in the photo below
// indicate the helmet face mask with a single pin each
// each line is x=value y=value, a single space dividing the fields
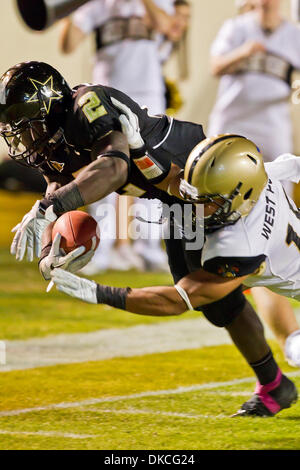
x=223 y=214
x=225 y=173
x=34 y=98
x=26 y=140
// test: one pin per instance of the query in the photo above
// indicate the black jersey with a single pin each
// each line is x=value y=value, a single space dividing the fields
x=92 y=115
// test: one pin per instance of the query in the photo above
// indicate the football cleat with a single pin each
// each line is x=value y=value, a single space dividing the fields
x=269 y=399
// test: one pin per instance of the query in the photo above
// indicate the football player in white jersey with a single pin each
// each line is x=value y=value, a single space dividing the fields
x=254 y=55
x=251 y=229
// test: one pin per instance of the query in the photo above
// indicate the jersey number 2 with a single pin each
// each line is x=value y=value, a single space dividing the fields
x=91 y=106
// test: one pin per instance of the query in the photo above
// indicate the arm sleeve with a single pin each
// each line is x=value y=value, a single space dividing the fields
x=234 y=267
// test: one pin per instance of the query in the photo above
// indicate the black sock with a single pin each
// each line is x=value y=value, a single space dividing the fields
x=266 y=369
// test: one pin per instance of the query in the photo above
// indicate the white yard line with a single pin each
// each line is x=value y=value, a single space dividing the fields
x=49 y=434
x=156 y=393
x=171 y=414
x=107 y=344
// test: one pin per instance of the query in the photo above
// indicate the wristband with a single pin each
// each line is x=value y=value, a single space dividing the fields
x=113 y=296
x=138 y=153
x=65 y=199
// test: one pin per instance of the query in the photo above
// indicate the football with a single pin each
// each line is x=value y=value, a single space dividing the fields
x=77 y=228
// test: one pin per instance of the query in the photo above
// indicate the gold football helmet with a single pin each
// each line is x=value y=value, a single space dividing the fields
x=228 y=171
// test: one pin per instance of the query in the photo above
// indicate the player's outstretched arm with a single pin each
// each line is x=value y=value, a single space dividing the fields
x=54 y=182
x=195 y=290
x=101 y=178
x=107 y=173
x=96 y=181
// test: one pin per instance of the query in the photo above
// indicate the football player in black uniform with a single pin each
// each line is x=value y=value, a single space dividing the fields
x=60 y=131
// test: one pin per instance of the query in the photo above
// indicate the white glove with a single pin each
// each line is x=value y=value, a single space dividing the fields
x=73 y=261
x=130 y=125
x=29 y=232
x=75 y=286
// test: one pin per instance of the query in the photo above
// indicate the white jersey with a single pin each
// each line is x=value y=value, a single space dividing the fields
x=132 y=66
x=270 y=231
x=256 y=104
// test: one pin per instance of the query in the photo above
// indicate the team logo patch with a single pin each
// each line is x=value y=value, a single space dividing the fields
x=228 y=271
x=45 y=92
x=57 y=165
x=148 y=167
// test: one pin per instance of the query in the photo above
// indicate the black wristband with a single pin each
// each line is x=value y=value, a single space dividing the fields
x=113 y=296
x=51 y=201
x=138 y=153
x=65 y=199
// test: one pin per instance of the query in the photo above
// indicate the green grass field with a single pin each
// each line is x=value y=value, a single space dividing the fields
x=176 y=399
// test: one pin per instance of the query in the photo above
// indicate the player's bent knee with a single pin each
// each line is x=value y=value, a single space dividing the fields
x=223 y=312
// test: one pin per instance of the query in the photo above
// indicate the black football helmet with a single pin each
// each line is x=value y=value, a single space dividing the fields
x=34 y=99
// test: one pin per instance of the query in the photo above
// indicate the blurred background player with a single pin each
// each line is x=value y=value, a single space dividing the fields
x=254 y=55
x=175 y=39
x=127 y=34
x=175 y=43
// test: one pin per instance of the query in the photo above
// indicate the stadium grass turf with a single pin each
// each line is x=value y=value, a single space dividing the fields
x=143 y=422
x=27 y=311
